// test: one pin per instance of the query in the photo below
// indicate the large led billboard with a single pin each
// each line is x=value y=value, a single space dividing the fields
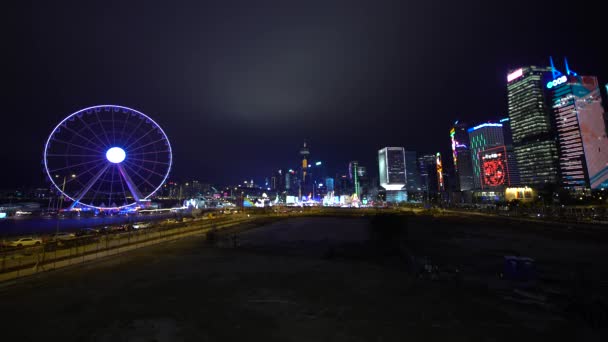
x=593 y=129
x=494 y=171
x=439 y=171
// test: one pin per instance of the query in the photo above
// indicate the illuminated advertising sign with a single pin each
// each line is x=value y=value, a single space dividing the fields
x=590 y=114
x=494 y=171
x=439 y=171
x=487 y=124
x=454 y=143
x=524 y=194
x=515 y=75
x=557 y=81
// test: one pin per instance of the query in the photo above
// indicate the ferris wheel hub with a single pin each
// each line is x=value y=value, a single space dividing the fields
x=116 y=155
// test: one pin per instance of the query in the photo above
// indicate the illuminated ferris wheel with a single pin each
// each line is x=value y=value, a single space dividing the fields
x=107 y=157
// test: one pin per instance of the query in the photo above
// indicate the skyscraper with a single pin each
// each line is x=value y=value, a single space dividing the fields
x=412 y=173
x=391 y=164
x=428 y=174
x=533 y=137
x=483 y=137
x=461 y=156
x=353 y=175
x=303 y=187
x=514 y=179
x=581 y=130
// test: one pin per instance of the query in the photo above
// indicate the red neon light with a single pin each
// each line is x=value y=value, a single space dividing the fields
x=494 y=168
x=493 y=172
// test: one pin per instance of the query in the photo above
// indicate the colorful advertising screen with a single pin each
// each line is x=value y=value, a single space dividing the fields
x=593 y=129
x=454 y=143
x=494 y=171
x=439 y=171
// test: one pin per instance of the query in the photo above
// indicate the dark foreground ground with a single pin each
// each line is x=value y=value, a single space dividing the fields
x=327 y=279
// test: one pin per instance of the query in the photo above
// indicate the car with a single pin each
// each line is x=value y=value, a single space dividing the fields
x=24 y=242
x=140 y=225
x=89 y=231
x=64 y=236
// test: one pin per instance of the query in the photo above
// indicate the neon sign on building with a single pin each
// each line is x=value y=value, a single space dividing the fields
x=439 y=171
x=515 y=74
x=494 y=169
x=557 y=81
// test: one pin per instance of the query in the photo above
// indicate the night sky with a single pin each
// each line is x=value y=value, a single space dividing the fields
x=239 y=85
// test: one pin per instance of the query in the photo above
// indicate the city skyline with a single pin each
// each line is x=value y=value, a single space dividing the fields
x=285 y=88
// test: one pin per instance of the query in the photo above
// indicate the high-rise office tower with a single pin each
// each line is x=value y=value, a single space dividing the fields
x=391 y=165
x=581 y=130
x=303 y=187
x=533 y=137
x=427 y=164
x=461 y=156
x=483 y=137
x=412 y=173
x=353 y=175
x=514 y=179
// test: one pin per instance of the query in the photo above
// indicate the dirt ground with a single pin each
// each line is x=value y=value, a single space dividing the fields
x=327 y=279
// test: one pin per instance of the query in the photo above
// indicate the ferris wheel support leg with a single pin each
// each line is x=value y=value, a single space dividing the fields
x=129 y=181
x=89 y=186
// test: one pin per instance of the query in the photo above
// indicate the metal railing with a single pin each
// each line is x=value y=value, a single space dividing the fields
x=24 y=261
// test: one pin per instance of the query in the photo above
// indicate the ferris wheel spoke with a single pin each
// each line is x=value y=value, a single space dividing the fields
x=130 y=184
x=145 y=168
x=70 y=155
x=99 y=160
x=111 y=188
x=124 y=126
x=76 y=145
x=113 y=130
x=90 y=184
x=149 y=161
x=103 y=128
x=126 y=142
x=142 y=178
x=141 y=137
x=146 y=153
x=96 y=193
x=80 y=135
x=148 y=144
x=124 y=191
x=86 y=124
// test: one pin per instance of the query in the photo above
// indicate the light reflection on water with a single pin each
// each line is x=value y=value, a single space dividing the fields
x=24 y=225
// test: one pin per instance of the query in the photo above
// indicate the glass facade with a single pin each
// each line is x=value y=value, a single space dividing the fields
x=413 y=174
x=581 y=131
x=428 y=173
x=391 y=163
x=533 y=138
x=461 y=155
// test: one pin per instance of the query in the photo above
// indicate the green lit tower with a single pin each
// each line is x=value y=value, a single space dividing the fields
x=353 y=172
x=533 y=137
